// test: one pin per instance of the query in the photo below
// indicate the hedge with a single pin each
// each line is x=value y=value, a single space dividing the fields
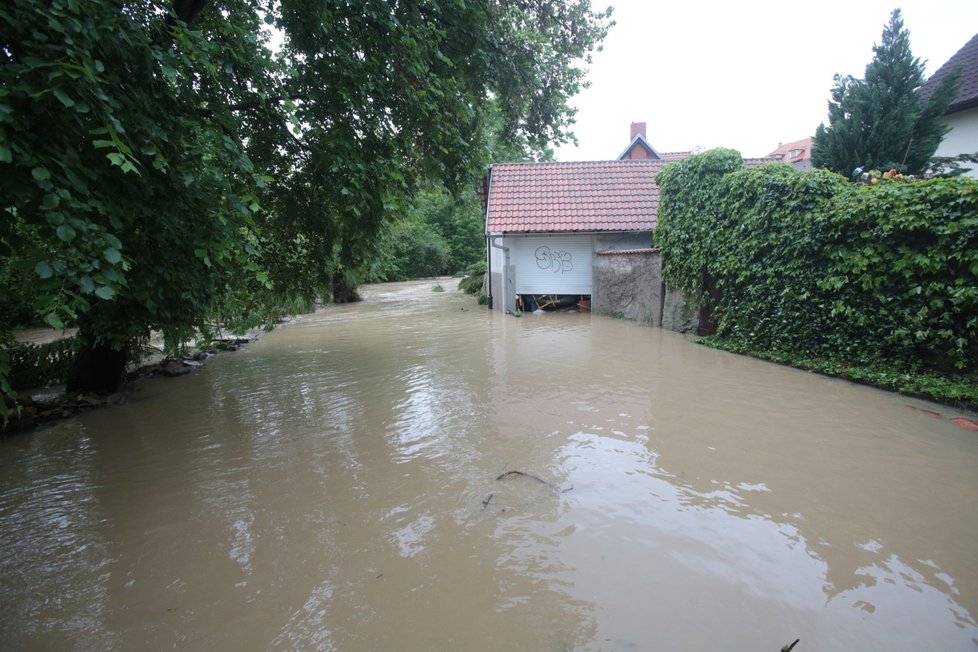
x=812 y=270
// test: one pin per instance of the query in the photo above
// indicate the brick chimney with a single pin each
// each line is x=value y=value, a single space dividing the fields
x=637 y=128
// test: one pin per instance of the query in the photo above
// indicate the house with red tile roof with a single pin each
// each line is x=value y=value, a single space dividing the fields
x=797 y=153
x=545 y=221
x=962 y=114
x=550 y=226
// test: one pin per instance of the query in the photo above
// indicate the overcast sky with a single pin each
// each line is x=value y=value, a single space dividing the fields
x=746 y=74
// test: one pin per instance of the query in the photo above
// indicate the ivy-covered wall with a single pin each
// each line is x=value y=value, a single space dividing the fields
x=874 y=282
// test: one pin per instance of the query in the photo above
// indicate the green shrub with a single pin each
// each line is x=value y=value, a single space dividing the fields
x=38 y=365
x=475 y=278
x=808 y=267
x=417 y=251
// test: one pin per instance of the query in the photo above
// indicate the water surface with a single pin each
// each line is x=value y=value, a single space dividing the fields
x=333 y=487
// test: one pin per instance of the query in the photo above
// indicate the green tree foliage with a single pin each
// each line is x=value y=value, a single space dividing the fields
x=417 y=251
x=164 y=169
x=452 y=216
x=830 y=275
x=459 y=220
x=441 y=233
x=946 y=167
x=882 y=121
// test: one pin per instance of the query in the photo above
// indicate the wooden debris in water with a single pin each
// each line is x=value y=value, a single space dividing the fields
x=534 y=477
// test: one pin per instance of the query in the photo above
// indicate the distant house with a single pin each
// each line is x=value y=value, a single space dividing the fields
x=797 y=153
x=962 y=114
x=639 y=149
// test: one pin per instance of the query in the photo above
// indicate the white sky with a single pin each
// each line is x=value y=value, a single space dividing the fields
x=746 y=74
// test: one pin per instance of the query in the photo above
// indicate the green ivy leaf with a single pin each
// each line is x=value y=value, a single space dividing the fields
x=66 y=233
x=65 y=99
x=54 y=321
x=104 y=292
x=50 y=201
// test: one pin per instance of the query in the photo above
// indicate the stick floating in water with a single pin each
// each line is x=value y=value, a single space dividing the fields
x=534 y=477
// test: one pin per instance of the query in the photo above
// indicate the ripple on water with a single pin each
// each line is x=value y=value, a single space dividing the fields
x=334 y=486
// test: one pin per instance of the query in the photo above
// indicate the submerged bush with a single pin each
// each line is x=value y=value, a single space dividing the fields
x=475 y=279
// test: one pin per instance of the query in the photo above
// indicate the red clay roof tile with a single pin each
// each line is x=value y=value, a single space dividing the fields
x=967 y=60
x=559 y=197
x=580 y=196
x=804 y=146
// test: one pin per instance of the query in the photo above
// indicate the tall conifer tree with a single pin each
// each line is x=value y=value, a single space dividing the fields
x=883 y=121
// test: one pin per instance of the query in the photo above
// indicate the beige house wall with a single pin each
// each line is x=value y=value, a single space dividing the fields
x=963 y=137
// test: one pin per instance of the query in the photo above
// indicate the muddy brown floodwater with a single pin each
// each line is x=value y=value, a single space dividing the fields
x=333 y=486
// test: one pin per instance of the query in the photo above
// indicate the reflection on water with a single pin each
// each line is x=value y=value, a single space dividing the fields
x=334 y=487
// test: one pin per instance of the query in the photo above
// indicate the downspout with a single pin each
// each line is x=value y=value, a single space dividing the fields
x=489 y=273
x=507 y=295
x=488 y=192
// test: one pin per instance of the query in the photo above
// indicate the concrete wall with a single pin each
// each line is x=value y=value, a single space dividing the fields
x=631 y=286
x=677 y=315
x=628 y=285
x=502 y=300
x=603 y=241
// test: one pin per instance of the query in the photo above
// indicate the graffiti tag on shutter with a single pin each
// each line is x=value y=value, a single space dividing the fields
x=558 y=262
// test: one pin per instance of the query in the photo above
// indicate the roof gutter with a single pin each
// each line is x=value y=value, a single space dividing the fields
x=558 y=234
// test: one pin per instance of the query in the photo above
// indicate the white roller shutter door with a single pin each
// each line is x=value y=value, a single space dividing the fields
x=553 y=265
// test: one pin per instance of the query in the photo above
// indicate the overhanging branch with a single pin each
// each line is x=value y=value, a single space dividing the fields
x=257 y=103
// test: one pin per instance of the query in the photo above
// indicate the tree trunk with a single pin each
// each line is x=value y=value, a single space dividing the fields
x=97 y=367
x=708 y=322
x=343 y=290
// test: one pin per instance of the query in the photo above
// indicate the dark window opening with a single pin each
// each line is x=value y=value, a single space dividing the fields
x=553 y=302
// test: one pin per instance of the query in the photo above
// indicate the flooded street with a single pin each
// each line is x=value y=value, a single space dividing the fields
x=333 y=486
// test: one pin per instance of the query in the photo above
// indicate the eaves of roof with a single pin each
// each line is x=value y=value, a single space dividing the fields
x=967 y=60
